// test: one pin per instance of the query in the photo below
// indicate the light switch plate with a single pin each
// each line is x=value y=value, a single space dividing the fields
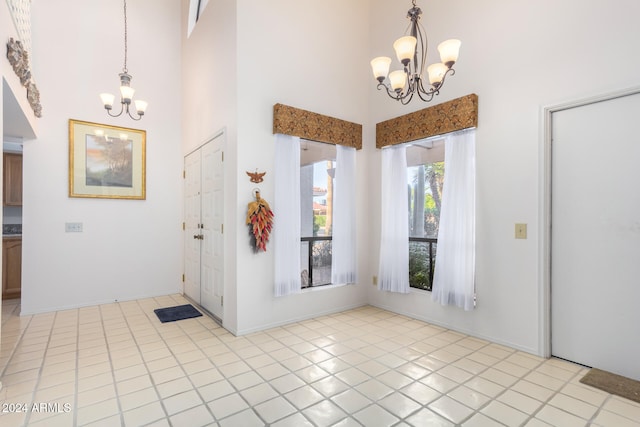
x=73 y=227
x=521 y=231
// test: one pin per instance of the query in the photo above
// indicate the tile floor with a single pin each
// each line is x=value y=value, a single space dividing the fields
x=116 y=364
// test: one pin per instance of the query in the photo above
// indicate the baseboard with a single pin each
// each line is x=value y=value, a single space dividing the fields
x=295 y=320
x=90 y=304
x=475 y=334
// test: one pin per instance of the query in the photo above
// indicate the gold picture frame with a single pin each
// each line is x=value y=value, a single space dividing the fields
x=106 y=161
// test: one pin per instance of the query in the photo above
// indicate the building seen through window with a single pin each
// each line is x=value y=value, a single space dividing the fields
x=317 y=185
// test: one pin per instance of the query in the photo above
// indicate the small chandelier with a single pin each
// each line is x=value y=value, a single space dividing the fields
x=403 y=84
x=126 y=91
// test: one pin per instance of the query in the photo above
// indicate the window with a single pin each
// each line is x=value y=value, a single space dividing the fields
x=425 y=178
x=317 y=184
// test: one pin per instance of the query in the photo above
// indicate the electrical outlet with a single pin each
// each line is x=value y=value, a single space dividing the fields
x=521 y=231
x=375 y=281
x=73 y=227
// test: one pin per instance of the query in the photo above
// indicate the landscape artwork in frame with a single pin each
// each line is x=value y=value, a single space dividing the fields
x=106 y=161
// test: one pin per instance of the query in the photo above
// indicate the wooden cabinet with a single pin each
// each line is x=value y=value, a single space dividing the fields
x=12 y=190
x=11 y=267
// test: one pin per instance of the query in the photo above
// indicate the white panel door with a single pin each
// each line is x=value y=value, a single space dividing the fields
x=212 y=214
x=192 y=245
x=595 y=237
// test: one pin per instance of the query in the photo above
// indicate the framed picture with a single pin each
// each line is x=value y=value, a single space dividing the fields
x=106 y=161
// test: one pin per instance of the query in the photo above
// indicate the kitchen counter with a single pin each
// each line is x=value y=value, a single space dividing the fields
x=11 y=230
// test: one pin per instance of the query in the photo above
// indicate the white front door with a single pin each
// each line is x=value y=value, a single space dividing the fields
x=203 y=238
x=595 y=237
x=212 y=215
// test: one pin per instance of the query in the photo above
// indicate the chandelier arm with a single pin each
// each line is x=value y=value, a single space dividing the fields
x=406 y=98
x=116 y=115
x=134 y=118
x=428 y=96
x=392 y=93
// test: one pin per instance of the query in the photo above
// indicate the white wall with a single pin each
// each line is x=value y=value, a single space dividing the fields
x=518 y=57
x=237 y=64
x=209 y=100
x=308 y=55
x=129 y=249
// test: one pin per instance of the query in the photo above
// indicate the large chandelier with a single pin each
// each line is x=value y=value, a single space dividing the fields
x=126 y=91
x=403 y=84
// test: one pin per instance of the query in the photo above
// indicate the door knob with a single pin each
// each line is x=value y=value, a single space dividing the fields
x=198 y=236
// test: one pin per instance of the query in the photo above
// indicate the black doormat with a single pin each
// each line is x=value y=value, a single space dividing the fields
x=179 y=312
x=612 y=383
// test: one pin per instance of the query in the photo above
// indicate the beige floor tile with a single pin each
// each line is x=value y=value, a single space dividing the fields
x=399 y=405
x=505 y=414
x=375 y=415
x=426 y=417
x=304 y=397
x=194 y=417
x=450 y=409
x=324 y=413
x=138 y=399
x=181 y=402
x=558 y=417
x=97 y=411
x=216 y=390
x=573 y=406
x=144 y=415
x=258 y=394
x=246 y=418
x=468 y=397
x=274 y=409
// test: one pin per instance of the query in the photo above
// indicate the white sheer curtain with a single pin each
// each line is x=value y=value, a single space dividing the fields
x=393 y=274
x=454 y=281
x=286 y=207
x=343 y=245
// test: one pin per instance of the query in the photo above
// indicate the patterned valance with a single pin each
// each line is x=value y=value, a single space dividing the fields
x=316 y=127
x=451 y=116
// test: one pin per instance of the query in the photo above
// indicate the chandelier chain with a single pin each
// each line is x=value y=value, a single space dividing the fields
x=126 y=91
x=125 y=37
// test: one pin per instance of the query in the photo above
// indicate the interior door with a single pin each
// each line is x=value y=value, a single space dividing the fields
x=595 y=237
x=192 y=204
x=212 y=214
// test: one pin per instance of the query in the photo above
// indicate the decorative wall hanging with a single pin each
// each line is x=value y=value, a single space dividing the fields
x=256 y=177
x=19 y=59
x=260 y=222
x=106 y=161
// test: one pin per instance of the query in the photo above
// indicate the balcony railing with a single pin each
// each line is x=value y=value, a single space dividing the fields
x=316 y=261
x=316 y=266
x=422 y=256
